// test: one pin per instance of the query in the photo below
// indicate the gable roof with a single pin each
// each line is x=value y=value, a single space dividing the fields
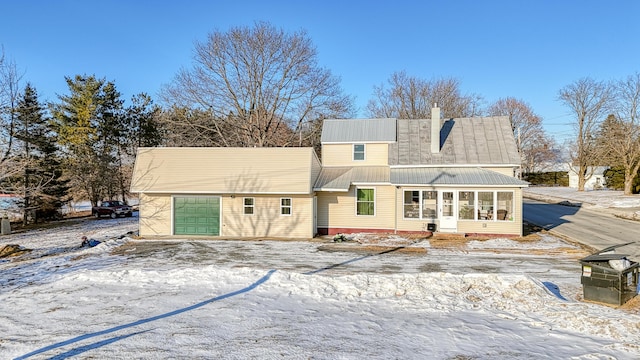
x=463 y=141
x=358 y=130
x=225 y=170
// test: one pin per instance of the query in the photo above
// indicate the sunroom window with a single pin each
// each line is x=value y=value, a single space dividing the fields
x=420 y=204
x=429 y=204
x=412 y=204
x=505 y=206
x=485 y=204
x=466 y=204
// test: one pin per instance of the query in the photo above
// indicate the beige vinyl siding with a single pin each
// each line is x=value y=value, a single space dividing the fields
x=502 y=170
x=266 y=221
x=155 y=214
x=376 y=154
x=338 y=209
x=224 y=170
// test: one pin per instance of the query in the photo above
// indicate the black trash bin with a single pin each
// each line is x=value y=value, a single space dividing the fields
x=609 y=277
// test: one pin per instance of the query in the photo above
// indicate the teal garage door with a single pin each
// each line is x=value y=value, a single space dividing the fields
x=197 y=215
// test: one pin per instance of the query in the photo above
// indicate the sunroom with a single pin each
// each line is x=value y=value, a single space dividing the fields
x=469 y=200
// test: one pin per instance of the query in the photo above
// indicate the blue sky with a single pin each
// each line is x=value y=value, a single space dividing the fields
x=523 y=49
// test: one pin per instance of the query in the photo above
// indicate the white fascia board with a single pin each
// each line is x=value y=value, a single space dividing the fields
x=356 y=142
x=455 y=166
x=461 y=186
x=371 y=183
x=195 y=192
x=330 y=190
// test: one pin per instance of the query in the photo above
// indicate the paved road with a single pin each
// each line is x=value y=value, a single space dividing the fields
x=596 y=229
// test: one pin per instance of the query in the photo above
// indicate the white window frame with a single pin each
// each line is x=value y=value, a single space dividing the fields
x=490 y=213
x=422 y=215
x=290 y=206
x=375 y=210
x=404 y=191
x=494 y=211
x=245 y=206
x=510 y=212
x=364 y=152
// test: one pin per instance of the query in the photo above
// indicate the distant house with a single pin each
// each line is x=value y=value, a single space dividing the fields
x=376 y=175
x=597 y=180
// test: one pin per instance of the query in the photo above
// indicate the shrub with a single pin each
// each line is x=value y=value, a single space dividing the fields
x=549 y=178
x=340 y=238
x=615 y=180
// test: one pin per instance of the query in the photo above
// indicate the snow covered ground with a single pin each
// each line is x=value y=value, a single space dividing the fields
x=611 y=199
x=390 y=298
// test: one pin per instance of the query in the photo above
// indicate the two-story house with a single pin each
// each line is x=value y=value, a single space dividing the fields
x=376 y=175
x=402 y=175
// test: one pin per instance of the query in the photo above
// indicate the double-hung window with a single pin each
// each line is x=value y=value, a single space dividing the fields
x=285 y=206
x=248 y=203
x=358 y=152
x=365 y=202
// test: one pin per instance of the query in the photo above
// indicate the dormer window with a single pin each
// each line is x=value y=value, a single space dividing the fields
x=358 y=152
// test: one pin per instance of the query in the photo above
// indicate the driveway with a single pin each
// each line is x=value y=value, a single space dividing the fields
x=596 y=228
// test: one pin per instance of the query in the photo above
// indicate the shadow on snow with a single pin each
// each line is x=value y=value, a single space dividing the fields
x=96 y=345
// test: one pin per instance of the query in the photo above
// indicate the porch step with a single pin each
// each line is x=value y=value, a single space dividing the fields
x=448 y=236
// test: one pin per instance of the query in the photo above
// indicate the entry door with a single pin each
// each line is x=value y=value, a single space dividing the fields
x=448 y=219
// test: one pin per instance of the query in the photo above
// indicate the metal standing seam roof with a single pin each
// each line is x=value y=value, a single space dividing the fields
x=341 y=178
x=463 y=141
x=358 y=130
x=452 y=176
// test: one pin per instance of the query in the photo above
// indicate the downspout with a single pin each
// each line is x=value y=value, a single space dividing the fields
x=395 y=211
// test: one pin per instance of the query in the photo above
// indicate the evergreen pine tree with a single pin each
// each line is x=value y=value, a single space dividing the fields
x=41 y=184
x=90 y=127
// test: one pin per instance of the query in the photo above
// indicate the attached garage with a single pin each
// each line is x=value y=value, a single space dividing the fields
x=196 y=215
x=226 y=192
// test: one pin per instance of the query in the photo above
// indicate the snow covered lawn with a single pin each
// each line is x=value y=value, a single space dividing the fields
x=390 y=298
x=593 y=198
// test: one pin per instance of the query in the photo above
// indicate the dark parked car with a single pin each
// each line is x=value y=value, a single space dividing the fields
x=112 y=209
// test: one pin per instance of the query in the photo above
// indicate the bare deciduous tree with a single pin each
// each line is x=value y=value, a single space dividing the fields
x=410 y=97
x=620 y=133
x=190 y=127
x=257 y=84
x=535 y=147
x=9 y=95
x=589 y=101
